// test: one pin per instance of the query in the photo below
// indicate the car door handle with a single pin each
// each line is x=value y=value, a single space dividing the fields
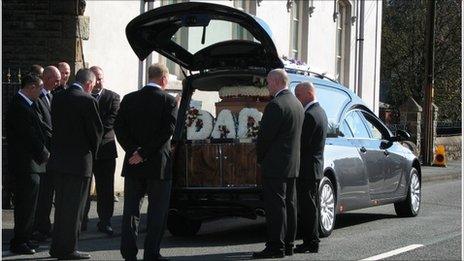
x=386 y=152
x=363 y=149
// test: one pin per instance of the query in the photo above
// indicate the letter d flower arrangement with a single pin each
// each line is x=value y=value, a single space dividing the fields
x=199 y=124
x=248 y=123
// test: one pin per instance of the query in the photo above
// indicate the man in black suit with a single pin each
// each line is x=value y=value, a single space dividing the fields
x=27 y=155
x=143 y=127
x=312 y=162
x=77 y=131
x=43 y=227
x=65 y=71
x=278 y=153
x=105 y=164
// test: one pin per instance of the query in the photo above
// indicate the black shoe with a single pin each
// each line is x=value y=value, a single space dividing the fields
x=269 y=253
x=32 y=244
x=161 y=258
x=22 y=249
x=289 y=250
x=40 y=237
x=76 y=255
x=107 y=229
x=305 y=247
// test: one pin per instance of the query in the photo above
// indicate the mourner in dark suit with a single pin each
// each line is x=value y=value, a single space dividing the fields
x=105 y=164
x=312 y=162
x=27 y=155
x=43 y=227
x=65 y=71
x=77 y=131
x=278 y=153
x=143 y=127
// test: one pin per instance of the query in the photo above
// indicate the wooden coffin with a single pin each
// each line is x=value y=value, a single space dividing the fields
x=221 y=165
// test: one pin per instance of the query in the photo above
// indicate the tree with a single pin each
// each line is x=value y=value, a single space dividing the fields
x=403 y=54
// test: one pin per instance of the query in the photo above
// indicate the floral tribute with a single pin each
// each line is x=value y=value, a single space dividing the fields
x=294 y=64
x=248 y=122
x=243 y=91
x=199 y=124
x=225 y=126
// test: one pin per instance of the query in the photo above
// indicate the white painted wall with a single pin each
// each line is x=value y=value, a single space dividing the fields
x=108 y=46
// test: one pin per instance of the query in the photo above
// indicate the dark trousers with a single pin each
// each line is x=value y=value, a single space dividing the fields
x=70 y=198
x=103 y=171
x=26 y=191
x=309 y=213
x=159 y=192
x=44 y=205
x=280 y=207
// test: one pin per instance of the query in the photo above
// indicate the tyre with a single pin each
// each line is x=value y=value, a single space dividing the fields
x=327 y=203
x=411 y=205
x=181 y=226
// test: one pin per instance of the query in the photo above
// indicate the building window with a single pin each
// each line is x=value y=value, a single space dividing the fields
x=342 y=52
x=299 y=30
x=247 y=6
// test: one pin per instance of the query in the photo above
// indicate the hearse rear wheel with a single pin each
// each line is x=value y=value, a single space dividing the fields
x=181 y=226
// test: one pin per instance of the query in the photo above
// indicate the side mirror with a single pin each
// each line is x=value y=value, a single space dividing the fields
x=401 y=135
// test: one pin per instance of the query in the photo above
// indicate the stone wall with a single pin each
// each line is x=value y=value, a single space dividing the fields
x=453 y=146
x=39 y=32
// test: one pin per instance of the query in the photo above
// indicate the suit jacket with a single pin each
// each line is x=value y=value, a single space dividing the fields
x=108 y=105
x=44 y=110
x=77 y=132
x=59 y=89
x=313 y=142
x=146 y=122
x=27 y=152
x=278 y=143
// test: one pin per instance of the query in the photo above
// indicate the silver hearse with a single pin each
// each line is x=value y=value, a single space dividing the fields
x=365 y=165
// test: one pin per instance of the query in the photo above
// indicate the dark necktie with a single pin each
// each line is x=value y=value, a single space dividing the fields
x=95 y=95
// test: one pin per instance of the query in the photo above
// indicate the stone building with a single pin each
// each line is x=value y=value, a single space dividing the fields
x=338 y=37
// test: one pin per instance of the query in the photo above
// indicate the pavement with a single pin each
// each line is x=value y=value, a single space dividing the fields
x=453 y=171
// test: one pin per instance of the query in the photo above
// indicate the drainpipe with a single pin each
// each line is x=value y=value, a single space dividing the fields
x=375 y=100
x=141 y=80
x=355 y=83
x=361 y=47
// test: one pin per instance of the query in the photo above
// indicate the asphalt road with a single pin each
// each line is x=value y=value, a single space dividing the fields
x=433 y=235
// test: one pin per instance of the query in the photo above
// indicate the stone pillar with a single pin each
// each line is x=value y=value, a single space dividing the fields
x=42 y=32
x=411 y=117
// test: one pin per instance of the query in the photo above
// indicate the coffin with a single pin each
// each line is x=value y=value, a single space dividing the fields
x=225 y=165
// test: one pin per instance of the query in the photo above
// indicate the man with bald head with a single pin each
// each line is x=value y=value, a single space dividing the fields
x=77 y=131
x=51 y=79
x=105 y=163
x=312 y=162
x=65 y=71
x=278 y=153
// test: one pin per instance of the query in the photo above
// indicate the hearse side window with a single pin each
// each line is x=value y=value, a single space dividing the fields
x=345 y=130
x=356 y=125
x=375 y=127
x=332 y=100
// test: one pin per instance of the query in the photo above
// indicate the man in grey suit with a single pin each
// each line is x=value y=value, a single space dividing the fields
x=311 y=167
x=77 y=133
x=278 y=153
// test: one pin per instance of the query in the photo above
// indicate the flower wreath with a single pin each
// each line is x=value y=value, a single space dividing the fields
x=248 y=122
x=225 y=126
x=199 y=124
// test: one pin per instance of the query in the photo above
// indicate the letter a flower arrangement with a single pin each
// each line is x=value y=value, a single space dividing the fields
x=225 y=126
